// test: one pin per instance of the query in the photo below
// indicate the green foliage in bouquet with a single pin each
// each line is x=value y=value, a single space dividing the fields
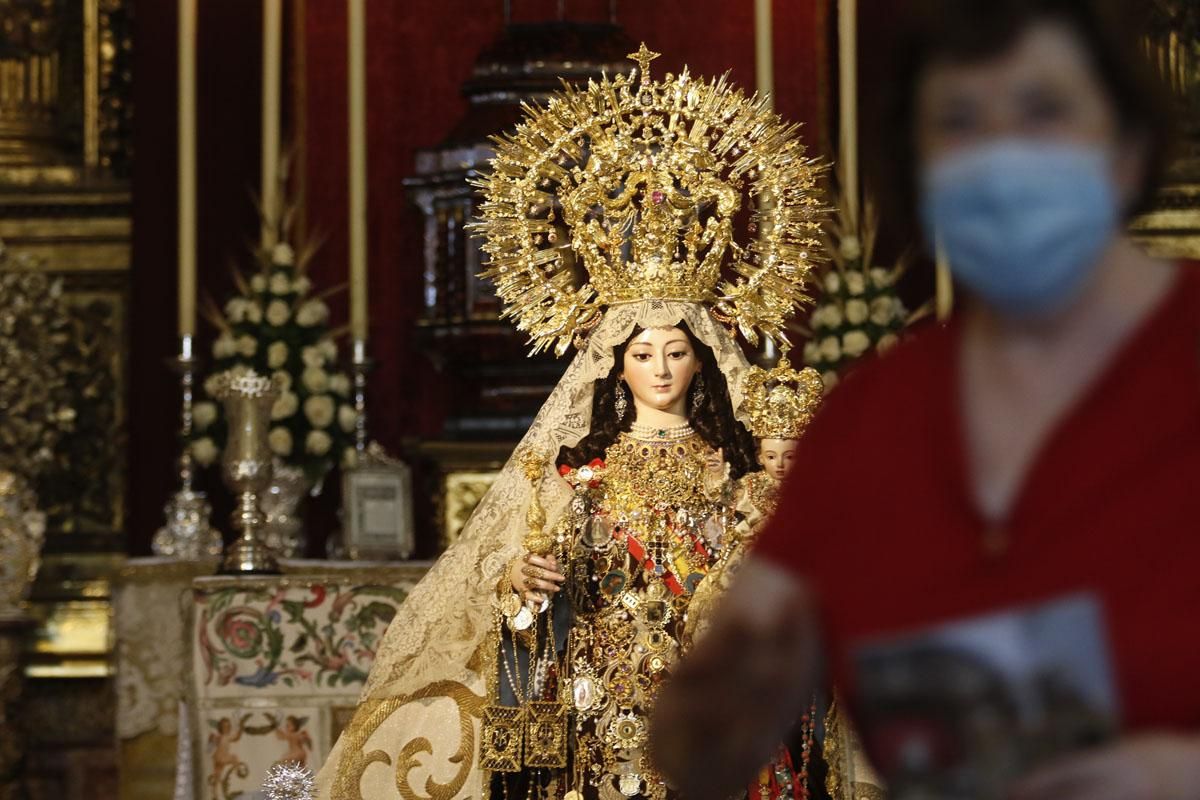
x=859 y=311
x=278 y=327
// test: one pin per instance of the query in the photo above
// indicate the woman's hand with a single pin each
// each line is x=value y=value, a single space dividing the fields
x=732 y=699
x=1148 y=767
x=536 y=577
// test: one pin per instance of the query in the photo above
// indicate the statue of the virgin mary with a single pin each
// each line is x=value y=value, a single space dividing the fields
x=526 y=662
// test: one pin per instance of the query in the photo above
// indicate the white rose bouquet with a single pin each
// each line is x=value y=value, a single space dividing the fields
x=278 y=327
x=859 y=311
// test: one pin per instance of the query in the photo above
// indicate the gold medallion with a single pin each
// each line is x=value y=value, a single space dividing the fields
x=510 y=605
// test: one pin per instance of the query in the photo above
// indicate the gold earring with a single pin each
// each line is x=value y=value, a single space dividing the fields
x=622 y=402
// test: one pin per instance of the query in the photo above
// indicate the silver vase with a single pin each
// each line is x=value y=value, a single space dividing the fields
x=283 y=523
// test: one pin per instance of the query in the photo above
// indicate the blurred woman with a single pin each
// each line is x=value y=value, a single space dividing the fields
x=1045 y=443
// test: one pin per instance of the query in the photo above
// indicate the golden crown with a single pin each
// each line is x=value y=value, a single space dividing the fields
x=628 y=190
x=781 y=402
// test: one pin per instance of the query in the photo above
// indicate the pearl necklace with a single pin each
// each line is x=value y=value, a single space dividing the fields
x=649 y=433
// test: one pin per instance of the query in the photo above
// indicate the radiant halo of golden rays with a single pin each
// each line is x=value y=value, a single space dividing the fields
x=628 y=189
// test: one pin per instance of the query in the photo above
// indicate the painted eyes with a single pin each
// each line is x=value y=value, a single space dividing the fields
x=678 y=355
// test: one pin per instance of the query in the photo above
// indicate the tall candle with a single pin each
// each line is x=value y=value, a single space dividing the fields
x=764 y=61
x=187 y=168
x=271 y=61
x=764 y=74
x=358 y=170
x=848 y=91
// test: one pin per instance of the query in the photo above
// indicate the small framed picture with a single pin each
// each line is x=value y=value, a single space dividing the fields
x=379 y=511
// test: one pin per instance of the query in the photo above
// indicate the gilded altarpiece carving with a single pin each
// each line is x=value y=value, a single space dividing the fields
x=65 y=149
x=1173 y=229
x=65 y=152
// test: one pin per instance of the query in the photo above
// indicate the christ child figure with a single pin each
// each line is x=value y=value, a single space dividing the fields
x=779 y=404
x=782 y=403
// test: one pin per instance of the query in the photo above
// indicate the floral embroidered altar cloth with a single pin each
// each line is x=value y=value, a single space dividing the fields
x=277 y=665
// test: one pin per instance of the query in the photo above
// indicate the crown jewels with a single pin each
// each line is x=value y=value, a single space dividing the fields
x=781 y=402
x=629 y=189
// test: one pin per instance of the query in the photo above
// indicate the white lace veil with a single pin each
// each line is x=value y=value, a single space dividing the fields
x=415 y=732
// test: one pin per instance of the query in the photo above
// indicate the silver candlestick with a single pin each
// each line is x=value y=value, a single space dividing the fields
x=188 y=534
x=360 y=365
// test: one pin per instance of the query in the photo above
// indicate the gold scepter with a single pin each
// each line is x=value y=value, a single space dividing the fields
x=537 y=540
x=546 y=720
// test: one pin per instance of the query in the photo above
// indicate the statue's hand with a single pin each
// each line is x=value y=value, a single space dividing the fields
x=715 y=464
x=716 y=476
x=536 y=577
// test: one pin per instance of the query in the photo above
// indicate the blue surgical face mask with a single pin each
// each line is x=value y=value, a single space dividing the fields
x=1023 y=223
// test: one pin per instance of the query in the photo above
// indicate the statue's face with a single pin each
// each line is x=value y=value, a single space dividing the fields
x=658 y=367
x=776 y=456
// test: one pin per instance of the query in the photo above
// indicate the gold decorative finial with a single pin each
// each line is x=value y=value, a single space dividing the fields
x=537 y=539
x=628 y=189
x=643 y=57
x=781 y=402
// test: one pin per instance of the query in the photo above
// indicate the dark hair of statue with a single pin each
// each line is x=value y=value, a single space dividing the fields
x=713 y=418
